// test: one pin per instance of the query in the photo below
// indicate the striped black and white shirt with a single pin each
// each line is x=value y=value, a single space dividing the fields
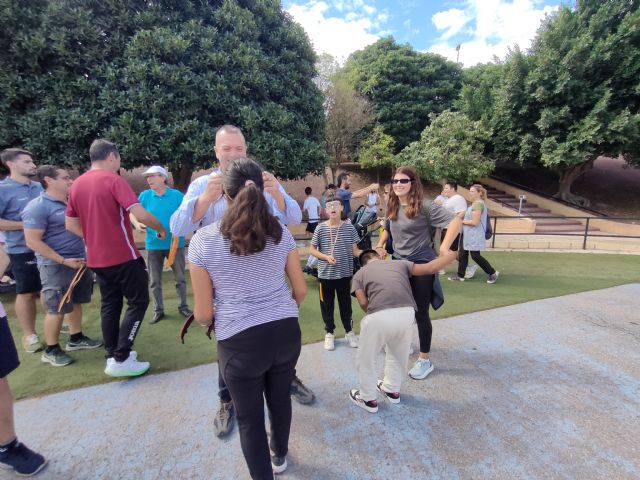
x=323 y=239
x=250 y=290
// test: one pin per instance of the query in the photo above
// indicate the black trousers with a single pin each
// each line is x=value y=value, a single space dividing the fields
x=128 y=280
x=258 y=364
x=483 y=263
x=421 y=288
x=328 y=291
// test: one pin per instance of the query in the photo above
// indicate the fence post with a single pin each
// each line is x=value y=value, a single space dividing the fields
x=586 y=234
x=493 y=239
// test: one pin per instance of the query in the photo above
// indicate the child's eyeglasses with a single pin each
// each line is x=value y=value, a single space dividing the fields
x=403 y=181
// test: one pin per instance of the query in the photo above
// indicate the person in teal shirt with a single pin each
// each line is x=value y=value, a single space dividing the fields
x=162 y=201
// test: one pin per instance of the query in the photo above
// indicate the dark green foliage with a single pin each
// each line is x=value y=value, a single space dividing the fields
x=404 y=86
x=576 y=95
x=158 y=78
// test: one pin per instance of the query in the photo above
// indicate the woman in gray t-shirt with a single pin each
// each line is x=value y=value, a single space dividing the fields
x=410 y=222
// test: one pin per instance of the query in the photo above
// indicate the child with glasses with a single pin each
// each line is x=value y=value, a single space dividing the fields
x=334 y=244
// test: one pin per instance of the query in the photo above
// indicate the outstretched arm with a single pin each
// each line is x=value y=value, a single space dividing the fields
x=434 y=266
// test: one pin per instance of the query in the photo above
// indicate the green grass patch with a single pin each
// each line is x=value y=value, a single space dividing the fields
x=524 y=277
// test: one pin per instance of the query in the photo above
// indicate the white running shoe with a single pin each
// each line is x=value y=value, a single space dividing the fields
x=329 y=341
x=421 y=369
x=129 y=368
x=352 y=339
x=470 y=272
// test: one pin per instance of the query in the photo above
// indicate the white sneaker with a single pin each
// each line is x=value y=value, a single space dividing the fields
x=329 y=341
x=32 y=343
x=129 y=368
x=421 y=369
x=352 y=339
x=470 y=271
x=442 y=272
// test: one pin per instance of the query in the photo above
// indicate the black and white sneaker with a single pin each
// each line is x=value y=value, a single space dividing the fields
x=370 y=406
x=393 y=397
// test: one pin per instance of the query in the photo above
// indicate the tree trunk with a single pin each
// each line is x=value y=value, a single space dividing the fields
x=567 y=177
x=181 y=177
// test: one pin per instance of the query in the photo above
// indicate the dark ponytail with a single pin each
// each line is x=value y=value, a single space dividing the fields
x=247 y=222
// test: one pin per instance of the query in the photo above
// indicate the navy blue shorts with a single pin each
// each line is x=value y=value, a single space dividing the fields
x=25 y=272
x=8 y=353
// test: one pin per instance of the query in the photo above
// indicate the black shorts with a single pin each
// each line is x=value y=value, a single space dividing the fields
x=25 y=272
x=455 y=243
x=311 y=227
x=8 y=353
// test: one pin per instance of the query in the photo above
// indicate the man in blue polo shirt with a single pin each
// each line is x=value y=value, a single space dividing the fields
x=162 y=201
x=60 y=254
x=15 y=192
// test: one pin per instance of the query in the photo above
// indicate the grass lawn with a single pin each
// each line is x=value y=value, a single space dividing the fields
x=524 y=276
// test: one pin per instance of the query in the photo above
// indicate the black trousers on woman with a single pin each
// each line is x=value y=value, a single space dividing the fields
x=483 y=263
x=258 y=364
x=422 y=288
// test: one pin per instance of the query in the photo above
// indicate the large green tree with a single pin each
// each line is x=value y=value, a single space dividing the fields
x=452 y=147
x=576 y=96
x=404 y=85
x=158 y=77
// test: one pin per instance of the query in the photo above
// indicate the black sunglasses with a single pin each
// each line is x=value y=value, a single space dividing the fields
x=403 y=181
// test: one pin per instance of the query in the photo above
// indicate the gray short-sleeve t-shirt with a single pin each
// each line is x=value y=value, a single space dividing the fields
x=412 y=237
x=386 y=284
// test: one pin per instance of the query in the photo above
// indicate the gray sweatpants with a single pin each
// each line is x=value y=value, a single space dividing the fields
x=155 y=263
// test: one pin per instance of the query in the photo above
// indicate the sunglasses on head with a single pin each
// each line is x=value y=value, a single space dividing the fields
x=403 y=181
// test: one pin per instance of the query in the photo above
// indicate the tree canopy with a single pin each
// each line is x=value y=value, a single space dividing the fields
x=450 y=148
x=158 y=78
x=403 y=85
x=575 y=96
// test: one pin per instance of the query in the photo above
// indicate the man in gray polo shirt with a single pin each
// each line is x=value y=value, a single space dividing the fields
x=60 y=254
x=15 y=192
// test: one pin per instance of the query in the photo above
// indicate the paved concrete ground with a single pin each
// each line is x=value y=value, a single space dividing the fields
x=546 y=389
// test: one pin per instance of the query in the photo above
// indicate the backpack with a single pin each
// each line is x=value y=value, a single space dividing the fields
x=488 y=229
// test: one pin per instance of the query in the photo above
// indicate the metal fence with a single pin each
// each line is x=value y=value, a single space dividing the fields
x=585 y=233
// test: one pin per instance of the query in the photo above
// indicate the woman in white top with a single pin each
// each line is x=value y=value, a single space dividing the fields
x=246 y=259
x=473 y=236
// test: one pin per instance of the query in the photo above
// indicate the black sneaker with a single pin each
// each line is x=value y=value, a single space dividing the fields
x=301 y=393
x=24 y=461
x=278 y=464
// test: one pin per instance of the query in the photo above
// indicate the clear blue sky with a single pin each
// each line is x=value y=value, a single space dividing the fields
x=483 y=28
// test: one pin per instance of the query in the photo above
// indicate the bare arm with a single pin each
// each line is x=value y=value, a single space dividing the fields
x=452 y=232
x=148 y=219
x=475 y=218
x=362 y=299
x=73 y=225
x=296 y=277
x=355 y=250
x=364 y=191
x=10 y=224
x=382 y=241
x=202 y=295
x=434 y=266
x=136 y=224
x=33 y=237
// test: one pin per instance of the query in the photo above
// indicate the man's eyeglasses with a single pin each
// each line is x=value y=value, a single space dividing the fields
x=334 y=204
x=403 y=181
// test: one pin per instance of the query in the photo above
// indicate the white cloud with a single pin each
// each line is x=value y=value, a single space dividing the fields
x=496 y=25
x=359 y=25
x=452 y=21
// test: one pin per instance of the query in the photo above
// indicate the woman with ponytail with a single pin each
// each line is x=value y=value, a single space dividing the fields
x=474 y=226
x=246 y=259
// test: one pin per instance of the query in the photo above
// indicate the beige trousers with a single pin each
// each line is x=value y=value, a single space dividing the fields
x=393 y=329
